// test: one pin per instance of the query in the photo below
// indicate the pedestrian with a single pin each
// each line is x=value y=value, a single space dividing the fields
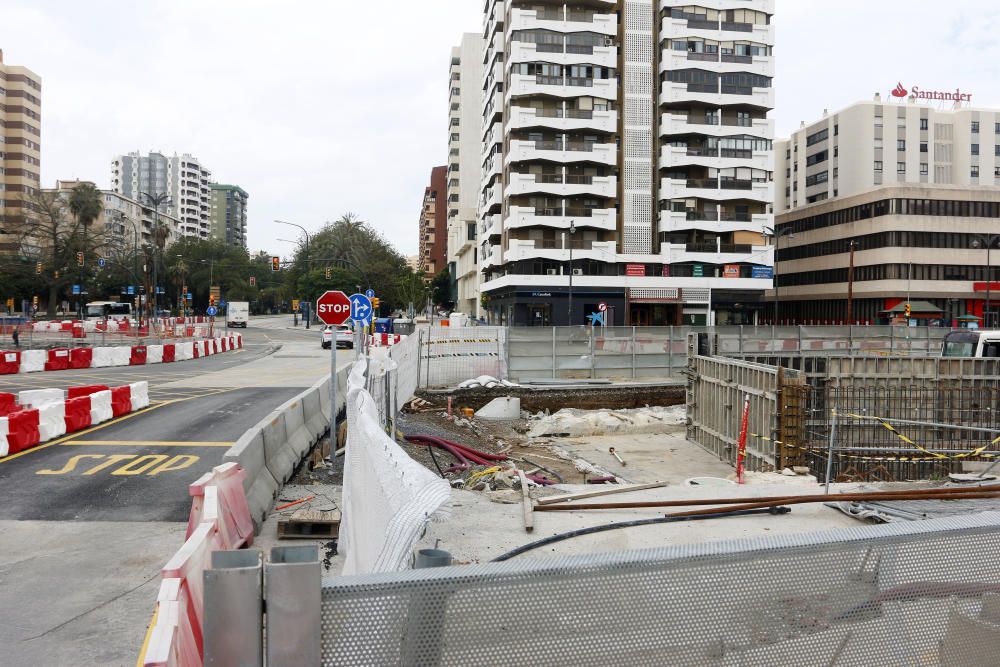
x=14 y=335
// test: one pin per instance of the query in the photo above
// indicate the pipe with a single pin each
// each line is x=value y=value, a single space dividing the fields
x=716 y=514
x=915 y=494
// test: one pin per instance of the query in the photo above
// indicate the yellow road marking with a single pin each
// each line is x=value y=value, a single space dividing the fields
x=149 y=635
x=148 y=443
x=59 y=441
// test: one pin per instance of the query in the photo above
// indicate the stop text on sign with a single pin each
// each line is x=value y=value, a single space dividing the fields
x=333 y=307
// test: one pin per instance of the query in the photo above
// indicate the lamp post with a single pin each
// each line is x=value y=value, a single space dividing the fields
x=156 y=200
x=988 y=240
x=135 y=254
x=569 y=302
x=306 y=232
x=776 y=234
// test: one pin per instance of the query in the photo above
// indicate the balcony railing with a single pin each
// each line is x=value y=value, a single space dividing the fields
x=701 y=247
x=545 y=80
x=580 y=49
x=702 y=120
x=557 y=244
x=575 y=179
x=735 y=152
x=735 y=184
x=580 y=82
x=549 y=145
x=703 y=24
x=740 y=122
x=579 y=212
x=738 y=27
x=737 y=90
x=735 y=247
x=710 y=57
x=733 y=58
x=726 y=216
x=548 y=178
x=710 y=183
x=583 y=114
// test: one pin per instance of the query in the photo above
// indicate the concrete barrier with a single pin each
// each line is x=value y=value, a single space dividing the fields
x=279 y=457
x=260 y=487
x=312 y=413
x=296 y=435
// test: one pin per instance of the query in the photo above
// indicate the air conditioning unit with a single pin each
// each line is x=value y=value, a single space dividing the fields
x=577 y=272
x=552 y=272
x=609 y=41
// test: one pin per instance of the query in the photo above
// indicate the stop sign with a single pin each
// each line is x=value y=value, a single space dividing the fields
x=333 y=307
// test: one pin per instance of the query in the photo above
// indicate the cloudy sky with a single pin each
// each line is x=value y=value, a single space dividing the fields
x=318 y=107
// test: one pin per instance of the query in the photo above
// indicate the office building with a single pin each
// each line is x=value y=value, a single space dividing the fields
x=627 y=161
x=434 y=224
x=182 y=178
x=914 y=190
x=229 y=214
x=20 y=145
x=465 y=115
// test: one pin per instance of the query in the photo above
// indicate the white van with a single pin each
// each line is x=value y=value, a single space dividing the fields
x=972 y=343
x=237 y=313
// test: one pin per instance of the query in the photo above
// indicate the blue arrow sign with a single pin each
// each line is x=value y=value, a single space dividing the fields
x=361 y=309
x=211 y=311
x=370 y=293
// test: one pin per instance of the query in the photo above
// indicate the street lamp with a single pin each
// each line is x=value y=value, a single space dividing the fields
x=569 y=303
x=776 y=234
x=988 y=240
x=306 y=232
x=155 y=201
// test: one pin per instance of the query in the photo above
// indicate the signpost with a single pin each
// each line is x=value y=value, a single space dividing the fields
x=369 y=293
x=333 y=308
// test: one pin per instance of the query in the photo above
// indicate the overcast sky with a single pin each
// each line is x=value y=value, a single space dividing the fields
x=318 y=107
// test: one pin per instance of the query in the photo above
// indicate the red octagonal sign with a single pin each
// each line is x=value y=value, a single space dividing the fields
x=333 y=307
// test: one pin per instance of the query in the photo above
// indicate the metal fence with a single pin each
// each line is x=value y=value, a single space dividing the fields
x=451 y=355
x=911 y=593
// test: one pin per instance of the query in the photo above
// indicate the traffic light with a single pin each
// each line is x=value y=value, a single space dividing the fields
x=329 y=273
x=253 y=281
x=38 y=267
x=10 y=305
x=907 y=311
x=34 y=302
x=375 y=303
x=211 y=300
x=276 y=264
x=79 y=258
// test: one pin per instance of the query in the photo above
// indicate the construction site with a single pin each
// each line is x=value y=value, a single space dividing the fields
x=817 y=503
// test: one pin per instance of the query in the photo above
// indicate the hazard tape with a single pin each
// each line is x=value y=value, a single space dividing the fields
x=935 y=457
x=452 y=355
x=445 y=341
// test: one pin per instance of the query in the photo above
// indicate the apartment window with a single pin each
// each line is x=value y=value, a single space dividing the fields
x=923 y=123
x=455 y=136
x=923 y=146
x=996 y=171
x=835 y=171
x=454 y=122
x=900 y=167
x=975 y=127
x=878 y=121
x=788 y=173
x=817 y=137
x=923 y=169
x=975 y=149
x=878 y=143
x=836 y=129
x=816 y=158
x=901 y=122
x=878 y=166
x=996 y=149
x=836 y=151
x=816 y=179
x=975 y=171
x=900 y=144
x=788 y=152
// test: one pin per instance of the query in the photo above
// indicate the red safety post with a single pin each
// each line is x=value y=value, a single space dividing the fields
x=741 y=451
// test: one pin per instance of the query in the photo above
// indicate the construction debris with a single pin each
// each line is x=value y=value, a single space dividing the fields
x=310 y=524
x=570 y=422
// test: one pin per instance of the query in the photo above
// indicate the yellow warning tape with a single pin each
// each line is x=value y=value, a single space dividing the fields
x=934 y=456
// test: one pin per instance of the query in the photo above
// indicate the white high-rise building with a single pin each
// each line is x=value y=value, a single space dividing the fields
x=627 y=161
x=182 y=178
x=465 y=116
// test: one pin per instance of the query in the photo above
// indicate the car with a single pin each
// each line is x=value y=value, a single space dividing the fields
x=344 y=336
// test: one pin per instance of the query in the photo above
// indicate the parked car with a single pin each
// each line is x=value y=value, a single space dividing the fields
x=342 y=333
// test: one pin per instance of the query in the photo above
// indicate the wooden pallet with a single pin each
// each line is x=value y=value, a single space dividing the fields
x=310 y=524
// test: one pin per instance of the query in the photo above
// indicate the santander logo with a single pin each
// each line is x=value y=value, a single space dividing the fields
x=919 y=93
x=899 y=91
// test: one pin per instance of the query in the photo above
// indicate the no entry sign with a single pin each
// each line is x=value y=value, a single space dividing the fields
x=333 y=307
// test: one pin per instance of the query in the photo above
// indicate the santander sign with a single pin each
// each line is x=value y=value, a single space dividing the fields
x=957 y=96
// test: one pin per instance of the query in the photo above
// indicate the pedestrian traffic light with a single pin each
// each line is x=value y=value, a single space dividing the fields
x=329 y=273
x=253 y=281
x=276 y=264
x=907 y=310
x=79 y=258
x=38 y=267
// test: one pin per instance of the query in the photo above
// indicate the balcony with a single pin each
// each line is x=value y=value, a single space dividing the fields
x=713 y=125
x=554 y=249
x=711 y=221
x=568 y=185
x=492 y=198
x=561 y=86
x=671 y=92
x=694 y=26
x=558 y=151
x=710 y=188
x=560 y=218
x=554 y=19
x=491 y=227
x=674 y=60
x=720 y=158
x=717 y=253
x=567 y=120
x=528 y=52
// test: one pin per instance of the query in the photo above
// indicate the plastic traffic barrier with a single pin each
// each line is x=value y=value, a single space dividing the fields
x=8 y=404
x=51 y=420
x=33 y=361
x=75 y=392
x=81 y=357
x=57 y=360
x=139 y=393
x=168 y=353
x=231 y=509
x=154 y=354
x=121 y=401
x=22 y=430
x=78 y=414
x=100 y=407
x=137 y=356
x=121 y=356
x=10 y=362
x=33 y=398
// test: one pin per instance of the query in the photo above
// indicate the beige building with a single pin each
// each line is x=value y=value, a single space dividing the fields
x=20 y=143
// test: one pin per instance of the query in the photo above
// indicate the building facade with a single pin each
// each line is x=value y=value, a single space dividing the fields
x=229 y=214
x=20 y=144
x=182 y=178
x=464 y=160
x=434 y=224
x=914 y=191
x=627 y=161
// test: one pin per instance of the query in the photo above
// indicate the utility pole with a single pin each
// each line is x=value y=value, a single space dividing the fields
x=569 y=303
x=850 y=288
x=156 y=200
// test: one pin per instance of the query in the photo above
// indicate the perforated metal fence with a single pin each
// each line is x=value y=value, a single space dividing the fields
x=451 y=355
x=914 y=593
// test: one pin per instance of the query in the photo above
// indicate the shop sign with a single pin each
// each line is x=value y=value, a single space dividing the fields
x=731 y=271
x=635 y=269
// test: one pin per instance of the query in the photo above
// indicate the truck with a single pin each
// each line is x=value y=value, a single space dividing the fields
x=237 y=313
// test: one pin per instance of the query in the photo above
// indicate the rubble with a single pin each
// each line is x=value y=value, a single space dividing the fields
x=570 y=422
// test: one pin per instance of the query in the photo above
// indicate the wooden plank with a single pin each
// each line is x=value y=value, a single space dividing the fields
x=529 y=511
x=310 y=524
x=600 y=492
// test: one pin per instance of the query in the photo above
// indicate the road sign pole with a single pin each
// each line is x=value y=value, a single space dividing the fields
x=333 y=396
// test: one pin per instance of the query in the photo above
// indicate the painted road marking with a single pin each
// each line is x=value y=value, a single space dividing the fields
x=148 y=443
x=133 y=464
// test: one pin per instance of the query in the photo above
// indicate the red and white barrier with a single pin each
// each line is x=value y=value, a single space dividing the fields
x=219 y=520
x=40 y=415
x=381 y=339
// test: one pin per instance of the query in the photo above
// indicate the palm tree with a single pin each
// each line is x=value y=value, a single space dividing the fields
x=85 y=203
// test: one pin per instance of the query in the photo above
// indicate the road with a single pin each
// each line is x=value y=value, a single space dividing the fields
x=88 y=520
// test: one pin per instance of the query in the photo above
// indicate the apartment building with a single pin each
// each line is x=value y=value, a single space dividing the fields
x=433 y=245
x=913 y=189
x=228 y=214
x=464 y=160
x=20 y=144
x=182 y=178
x=627 y=161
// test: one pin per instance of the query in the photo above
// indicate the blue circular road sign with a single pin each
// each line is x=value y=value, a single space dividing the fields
x=361 y=309
x=212 y=310
x=370 y=293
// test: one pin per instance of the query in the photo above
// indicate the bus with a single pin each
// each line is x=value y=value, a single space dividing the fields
x=971 y=343
x=108 y=310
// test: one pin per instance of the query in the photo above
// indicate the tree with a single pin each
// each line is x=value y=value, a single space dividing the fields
x=441 y=289
x=85 y=204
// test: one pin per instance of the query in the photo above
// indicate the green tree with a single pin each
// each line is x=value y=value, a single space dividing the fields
x=441 y=289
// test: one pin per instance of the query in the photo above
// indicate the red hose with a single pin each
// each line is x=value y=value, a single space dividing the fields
x=476 y=452
x=460 y=454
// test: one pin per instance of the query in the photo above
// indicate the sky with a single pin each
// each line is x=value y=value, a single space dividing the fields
x=320 y=107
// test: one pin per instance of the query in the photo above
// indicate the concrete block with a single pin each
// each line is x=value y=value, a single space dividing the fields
x=260 y=486
x=278 y=455
x=295 y=427
x=503 y=408
x=312 y=412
